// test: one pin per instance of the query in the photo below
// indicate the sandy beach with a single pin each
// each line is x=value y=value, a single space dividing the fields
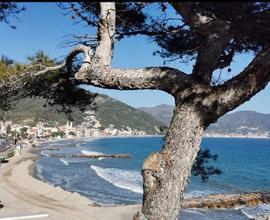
x=23 y=195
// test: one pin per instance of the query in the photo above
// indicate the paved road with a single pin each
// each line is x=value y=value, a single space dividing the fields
x=27 y=217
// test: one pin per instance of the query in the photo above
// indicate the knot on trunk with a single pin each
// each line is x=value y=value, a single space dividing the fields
x=152 y=171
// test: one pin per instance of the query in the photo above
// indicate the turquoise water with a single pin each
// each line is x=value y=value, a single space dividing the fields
x=244 y=163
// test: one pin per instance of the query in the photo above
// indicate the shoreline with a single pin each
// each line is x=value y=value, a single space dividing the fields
x=243 y=137
x=90 y=138
x=23 y=194
x=37 y=151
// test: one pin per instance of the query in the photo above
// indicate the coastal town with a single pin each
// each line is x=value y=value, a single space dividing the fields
x=14 y=136
x=90 y=127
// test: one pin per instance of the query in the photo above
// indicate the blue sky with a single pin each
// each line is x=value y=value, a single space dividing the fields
x=43 y=26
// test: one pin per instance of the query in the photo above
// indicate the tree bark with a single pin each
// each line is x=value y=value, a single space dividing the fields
x=166 y=79
x=166 y=173
x=106 y=31
x=217 y=35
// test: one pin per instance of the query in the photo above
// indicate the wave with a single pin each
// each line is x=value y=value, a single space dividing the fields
x=86 y=152
x=58 y=144
x=44 y=154
x=39 y=168
x=101 y=158
x=254 y=212
x=198 y=193
x=39 y=172
x=64 y=161
x=68 y=161
x=125 y=179
x=194 y=211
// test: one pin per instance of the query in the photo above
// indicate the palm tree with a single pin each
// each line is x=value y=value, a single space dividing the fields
x=40 y=60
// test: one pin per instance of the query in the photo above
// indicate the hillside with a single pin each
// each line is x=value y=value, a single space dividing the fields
x=162 y=112
x=112 y=111
x=242 y=123
x=29 y=111
x=108 y=112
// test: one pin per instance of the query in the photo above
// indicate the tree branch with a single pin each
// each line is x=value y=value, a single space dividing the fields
x=209 y=55
x=49 y=69
x=92 y=72
x=74 y=52
x=195 y=20
x=161 y=78
x=241 y=88
x=217 y=33
x=106 y=31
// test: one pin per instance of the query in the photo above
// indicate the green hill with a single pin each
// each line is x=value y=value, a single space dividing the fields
x=112 y=111
x=108 y=112
x=31 y=110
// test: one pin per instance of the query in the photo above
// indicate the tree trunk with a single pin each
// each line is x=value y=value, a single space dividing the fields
x=166 y=173
x=106 y=31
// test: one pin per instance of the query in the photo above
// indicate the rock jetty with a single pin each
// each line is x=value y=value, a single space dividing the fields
x=228 y=200
x=125 y=156
x=53 y=148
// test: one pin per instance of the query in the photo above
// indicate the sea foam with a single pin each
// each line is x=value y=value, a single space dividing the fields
x=86 y=152
x=125 y=179
x=58 y=144
x=64 y=161
x=39 y=173
x=198 y=193
x=44 y=154
x=101 y=158
x=254 y=212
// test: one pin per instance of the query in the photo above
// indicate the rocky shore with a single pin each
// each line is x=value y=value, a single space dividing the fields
x=228 y=200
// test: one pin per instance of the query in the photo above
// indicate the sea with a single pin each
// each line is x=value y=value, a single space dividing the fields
x=244 y=162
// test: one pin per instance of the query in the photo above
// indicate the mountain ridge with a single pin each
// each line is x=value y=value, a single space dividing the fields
x=161 y=112
x=240 y=123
